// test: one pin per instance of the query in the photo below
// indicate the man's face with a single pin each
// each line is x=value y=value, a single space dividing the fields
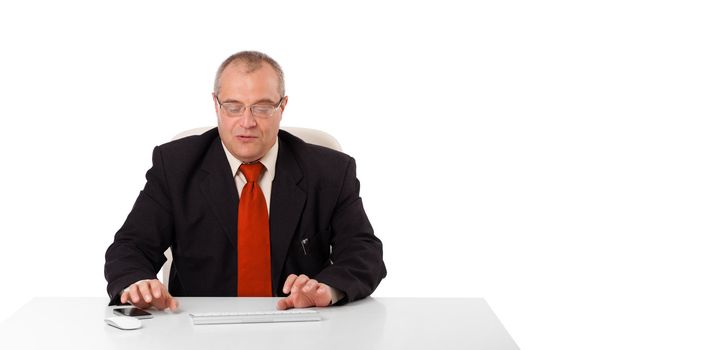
x=248 y=138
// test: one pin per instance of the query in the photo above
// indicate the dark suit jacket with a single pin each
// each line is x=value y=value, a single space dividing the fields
x=190 y=203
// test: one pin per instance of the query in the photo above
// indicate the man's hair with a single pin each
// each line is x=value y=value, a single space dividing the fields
x=253 y=61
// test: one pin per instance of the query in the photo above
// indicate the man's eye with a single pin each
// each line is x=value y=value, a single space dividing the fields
x=233 y=108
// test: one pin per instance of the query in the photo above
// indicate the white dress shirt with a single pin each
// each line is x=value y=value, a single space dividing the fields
x=266 y=178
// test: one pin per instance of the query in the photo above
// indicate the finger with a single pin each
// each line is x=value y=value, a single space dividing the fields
x=134 y=295
x=301 y=300
x=124 y=296
x=299 y=283
x=289 y=282
x=156 y=288
x=173 y=304
x=160 y=303
x=145 y=291
x=160 y=294
x=310 y=286
x=283 y=304
x=323 y=295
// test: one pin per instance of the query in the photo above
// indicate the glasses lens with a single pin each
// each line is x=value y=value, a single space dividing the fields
x=262 y=110
x=234 y=108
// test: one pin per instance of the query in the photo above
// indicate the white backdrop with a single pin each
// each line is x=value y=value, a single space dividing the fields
x=559 y=159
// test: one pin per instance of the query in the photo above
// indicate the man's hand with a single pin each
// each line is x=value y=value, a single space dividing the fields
x=304 y=292
x=146 y=293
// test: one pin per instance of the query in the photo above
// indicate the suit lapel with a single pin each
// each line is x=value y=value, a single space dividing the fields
x=286 y=205
x=220 y=191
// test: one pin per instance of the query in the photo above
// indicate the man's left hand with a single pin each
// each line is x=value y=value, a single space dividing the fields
x=304 y=292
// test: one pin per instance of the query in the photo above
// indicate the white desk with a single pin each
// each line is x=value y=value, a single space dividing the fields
x=373 y=323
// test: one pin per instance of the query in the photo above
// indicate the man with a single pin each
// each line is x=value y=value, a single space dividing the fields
x=247 y=210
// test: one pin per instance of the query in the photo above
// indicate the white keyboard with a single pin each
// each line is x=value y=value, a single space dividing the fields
x=293 y=315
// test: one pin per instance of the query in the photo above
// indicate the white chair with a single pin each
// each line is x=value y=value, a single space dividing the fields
x=313 y=136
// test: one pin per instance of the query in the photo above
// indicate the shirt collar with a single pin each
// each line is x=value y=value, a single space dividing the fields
x=268 y=160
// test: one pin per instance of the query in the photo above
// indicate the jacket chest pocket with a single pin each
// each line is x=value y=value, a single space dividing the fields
x=315 y=244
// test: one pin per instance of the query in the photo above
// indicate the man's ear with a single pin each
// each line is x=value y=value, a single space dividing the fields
x=283 y=104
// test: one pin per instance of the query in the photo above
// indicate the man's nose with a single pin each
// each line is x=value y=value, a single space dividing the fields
x=247 y=120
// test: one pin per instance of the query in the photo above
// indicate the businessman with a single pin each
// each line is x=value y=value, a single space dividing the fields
x=247 y=209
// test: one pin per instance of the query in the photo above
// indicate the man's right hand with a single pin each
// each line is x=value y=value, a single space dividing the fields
x=146 y=293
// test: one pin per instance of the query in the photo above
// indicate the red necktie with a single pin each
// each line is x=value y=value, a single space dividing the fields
x=253 y=237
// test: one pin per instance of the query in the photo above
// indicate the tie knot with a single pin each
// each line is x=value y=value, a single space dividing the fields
x=252 y=171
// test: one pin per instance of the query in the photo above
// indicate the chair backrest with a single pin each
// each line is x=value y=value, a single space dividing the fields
x=314 y=136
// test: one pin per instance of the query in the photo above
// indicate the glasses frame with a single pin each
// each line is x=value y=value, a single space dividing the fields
x=251 y=107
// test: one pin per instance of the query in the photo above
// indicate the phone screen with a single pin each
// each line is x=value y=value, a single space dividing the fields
x=133 y=312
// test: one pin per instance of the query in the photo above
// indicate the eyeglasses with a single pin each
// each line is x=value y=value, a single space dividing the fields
x=235 y=109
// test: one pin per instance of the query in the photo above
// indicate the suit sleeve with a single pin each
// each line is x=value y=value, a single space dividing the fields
x=357 y=258
x=137 y=250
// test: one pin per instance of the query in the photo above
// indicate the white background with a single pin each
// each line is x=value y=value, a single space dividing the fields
x=558 y=158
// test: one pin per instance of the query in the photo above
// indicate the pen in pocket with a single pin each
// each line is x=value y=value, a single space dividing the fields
x=302 y=244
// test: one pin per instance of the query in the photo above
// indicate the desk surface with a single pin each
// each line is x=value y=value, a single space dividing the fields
x=373 y=323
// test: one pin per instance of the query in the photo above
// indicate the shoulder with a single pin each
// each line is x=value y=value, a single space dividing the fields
x=189 y=151
x=191 y=143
